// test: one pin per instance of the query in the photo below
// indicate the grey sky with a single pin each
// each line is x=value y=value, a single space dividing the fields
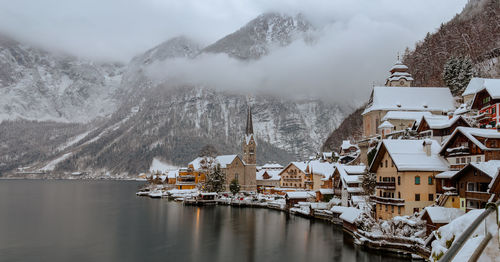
x=120 y=29
x=357 y=43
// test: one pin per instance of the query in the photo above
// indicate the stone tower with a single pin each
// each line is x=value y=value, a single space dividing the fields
x=249 y=144
x=399 y=75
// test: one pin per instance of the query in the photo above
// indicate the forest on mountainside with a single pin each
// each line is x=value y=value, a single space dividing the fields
x=474 y=33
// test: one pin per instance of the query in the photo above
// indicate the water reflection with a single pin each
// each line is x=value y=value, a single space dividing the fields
x=105 y=221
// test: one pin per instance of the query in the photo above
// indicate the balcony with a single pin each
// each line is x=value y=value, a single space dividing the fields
x=386 y=185
x=186 y=176
x=477 y=195
x=387 y=201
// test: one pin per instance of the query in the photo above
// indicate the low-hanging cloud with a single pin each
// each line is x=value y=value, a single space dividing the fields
x=345 y=59
x=356 y=42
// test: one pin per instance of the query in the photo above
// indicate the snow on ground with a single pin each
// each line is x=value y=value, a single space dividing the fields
x=446 y=235
x=160 y=166
x=74 y=140
x=52 y=164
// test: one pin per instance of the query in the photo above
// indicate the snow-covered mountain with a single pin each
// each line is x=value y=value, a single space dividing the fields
x=172 y=121
x=259 y=36
x=38 y=85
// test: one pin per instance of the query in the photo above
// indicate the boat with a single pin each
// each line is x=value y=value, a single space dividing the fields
x=155 y=194
x=202 y=199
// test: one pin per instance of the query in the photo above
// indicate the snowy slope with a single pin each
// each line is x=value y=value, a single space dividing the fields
x=38 y=85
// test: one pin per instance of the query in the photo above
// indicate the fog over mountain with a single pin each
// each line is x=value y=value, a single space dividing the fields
x=186 y=81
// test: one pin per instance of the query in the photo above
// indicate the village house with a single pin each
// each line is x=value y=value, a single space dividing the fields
x=487 y=102
x=189 y=177
x=307 y=175
x=436 y=217
x=473 y=184
x=477 y=84
x=293 y=198
x=399 y=96
x=468 y=144
x=268 y=179
x=347 y=182
x=402 y=120
x=405 y=173
x=172 y=176
x=439 y=127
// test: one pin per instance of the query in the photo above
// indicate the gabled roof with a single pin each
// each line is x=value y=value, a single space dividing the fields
x=350 y=174
x=272 y=166
x=411 y=99
x=405 y=115
x=386 y=124
x=225 y=160
x=322 y=168
x=409 y=155
x=490 y=168
x=476 y=84
x=441 y=122
x=442 y=215
x=273 y=174
x=471 y=133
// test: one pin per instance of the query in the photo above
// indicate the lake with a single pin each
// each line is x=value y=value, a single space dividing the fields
x=68 y=220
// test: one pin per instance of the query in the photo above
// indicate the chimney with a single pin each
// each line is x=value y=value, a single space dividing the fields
x=427 y=146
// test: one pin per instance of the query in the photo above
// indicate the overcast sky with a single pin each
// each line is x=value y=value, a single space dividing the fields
x=358 y=44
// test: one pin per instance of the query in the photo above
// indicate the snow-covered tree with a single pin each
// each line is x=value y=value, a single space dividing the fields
x=369 y=182
x=214 y=180
x=234 y=187
x=457 y=73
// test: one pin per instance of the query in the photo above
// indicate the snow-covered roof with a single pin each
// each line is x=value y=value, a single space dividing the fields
x=358 y=199
x=346 y=144
x=447 y=174
x=327 y=154
x=490 y=167
x=411 y=99
x=338 y=209
x=350 y=214
x=476 y=84
x=350 y=174
x=440 y=121
x=273 y=174
x=386 y=124
x=471 y=133
x=326 y=191
x=322 y=168
x=443 y=215
x=225 y=160
x=405 y=115
x=196 y=163
x=173 y=174
x=409 y=155
x=248 y=138
x=398 y=66
x=272 y=166
x=301 y=194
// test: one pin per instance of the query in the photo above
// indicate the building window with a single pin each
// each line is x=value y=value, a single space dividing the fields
x=457 y=160
x=478 y=159
x=417 y=180
x=399 y=210
x=431 y=197
x=468 y=159
x=471 y=186
x=399 y=180
x=392 y=162
x=381 y=164
x=417 y=197
x=386 y=165
x=415 y=210
x=386 y=208
x=392 y=209
x=399 y=195
x=430 y=181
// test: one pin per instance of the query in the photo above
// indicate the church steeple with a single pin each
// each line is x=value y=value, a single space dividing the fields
x=399 y=75
x=249 y=144
x=249 y=129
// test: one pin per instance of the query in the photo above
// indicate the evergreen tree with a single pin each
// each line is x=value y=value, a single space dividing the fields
x=234 y=187
x=214 y=180
x=369 y=182
x=457 y=73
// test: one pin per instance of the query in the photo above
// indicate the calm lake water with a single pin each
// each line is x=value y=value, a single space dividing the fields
x=104 y=221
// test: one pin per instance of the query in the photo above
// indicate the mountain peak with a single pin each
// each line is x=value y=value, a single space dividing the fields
x=260 y=34
x=179 y=46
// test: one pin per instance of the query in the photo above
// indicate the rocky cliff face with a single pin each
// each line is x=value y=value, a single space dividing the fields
x=38 y=85
x=147 y=118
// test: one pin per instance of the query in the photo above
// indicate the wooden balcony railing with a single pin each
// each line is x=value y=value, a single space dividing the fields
x=386 y=185
x=387 y=200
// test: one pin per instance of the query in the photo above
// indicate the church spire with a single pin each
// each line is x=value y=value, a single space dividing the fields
x=249 y=129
